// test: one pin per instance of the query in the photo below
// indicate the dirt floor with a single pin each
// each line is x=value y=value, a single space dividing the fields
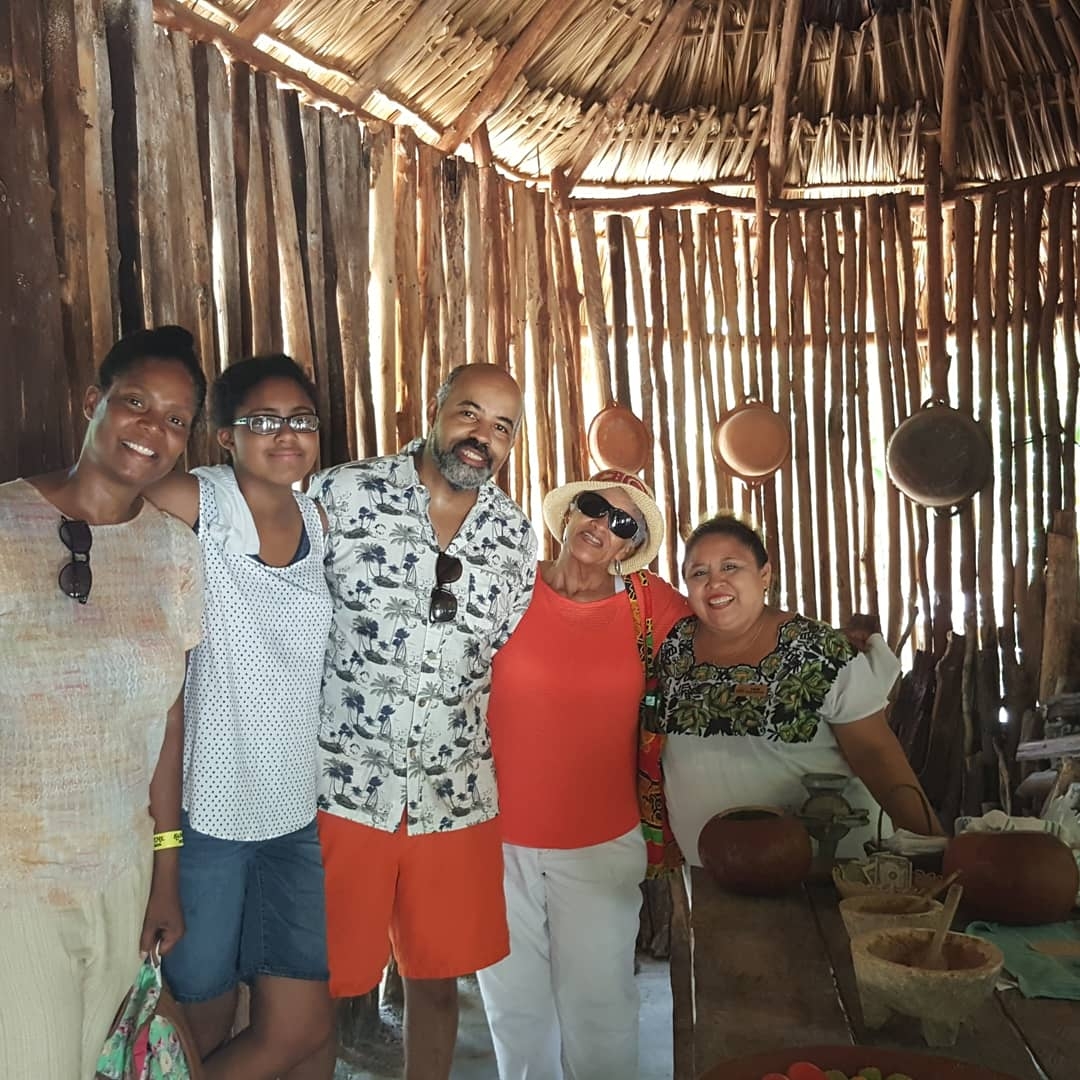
x=475 y=1058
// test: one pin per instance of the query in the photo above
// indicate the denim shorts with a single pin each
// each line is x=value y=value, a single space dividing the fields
x=252 y=907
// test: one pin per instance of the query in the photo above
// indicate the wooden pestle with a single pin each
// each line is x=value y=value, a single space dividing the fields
x=932 y=959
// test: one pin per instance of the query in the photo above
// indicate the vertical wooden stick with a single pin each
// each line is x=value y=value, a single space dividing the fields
x=799 y=396
x=676 y=344
x=656 y=304
x=838 y=507
x=815 y=280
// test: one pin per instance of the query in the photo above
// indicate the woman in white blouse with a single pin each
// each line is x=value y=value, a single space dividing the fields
x=752 y=697
x=251 y=872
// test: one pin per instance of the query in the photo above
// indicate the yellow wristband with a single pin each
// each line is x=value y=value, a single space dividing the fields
x=165 y=840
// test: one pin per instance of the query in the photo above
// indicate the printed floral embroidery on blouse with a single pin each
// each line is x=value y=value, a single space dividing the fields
x=403 y=723
x=778 y=699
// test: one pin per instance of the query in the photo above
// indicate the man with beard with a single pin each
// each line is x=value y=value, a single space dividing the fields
x=430 y=568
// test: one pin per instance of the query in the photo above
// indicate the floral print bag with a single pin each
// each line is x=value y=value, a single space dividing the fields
x=148 y=1040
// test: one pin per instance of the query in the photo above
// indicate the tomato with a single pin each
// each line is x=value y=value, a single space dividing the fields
x=803 y=1070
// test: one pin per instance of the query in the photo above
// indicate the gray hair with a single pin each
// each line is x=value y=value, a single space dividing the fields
x=447 y=384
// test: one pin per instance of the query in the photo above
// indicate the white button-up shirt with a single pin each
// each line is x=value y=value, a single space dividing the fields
x=404 y=705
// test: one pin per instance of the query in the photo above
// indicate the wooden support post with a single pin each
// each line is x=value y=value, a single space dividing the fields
x=259 y=18
x=950 y=89
x=781 y=92
x=939 y=384
x=492 y=94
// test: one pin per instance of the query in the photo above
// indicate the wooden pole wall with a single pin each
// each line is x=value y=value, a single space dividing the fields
x=186 y=188
x=160 y=183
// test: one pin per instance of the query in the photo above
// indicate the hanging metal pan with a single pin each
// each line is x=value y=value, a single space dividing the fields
x=939 y=457
x=752 y=441
x=619 y=440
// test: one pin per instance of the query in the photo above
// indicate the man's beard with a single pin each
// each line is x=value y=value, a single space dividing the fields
x=456 y=473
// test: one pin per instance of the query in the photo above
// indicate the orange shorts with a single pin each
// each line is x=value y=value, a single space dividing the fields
x=438 y=899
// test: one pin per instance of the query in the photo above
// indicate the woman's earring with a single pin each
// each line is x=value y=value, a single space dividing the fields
x=618 y=567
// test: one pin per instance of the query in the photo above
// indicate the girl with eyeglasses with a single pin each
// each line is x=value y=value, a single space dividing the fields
x=251 y=872
x=100 y=599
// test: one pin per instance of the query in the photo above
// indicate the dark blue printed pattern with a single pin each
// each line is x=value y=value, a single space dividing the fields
x=404 y=711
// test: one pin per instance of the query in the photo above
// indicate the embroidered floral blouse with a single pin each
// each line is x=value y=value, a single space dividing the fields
x=745 y=735
x=403 y=722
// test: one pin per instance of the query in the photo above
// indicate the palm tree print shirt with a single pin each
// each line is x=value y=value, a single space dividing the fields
x=403 y=723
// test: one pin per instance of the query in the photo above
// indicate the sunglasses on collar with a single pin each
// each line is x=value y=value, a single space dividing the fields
x=622 y=523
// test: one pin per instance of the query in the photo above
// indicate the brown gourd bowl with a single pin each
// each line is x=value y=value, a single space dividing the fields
x=755 y=850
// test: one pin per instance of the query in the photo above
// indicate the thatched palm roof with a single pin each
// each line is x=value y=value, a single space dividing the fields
x=632 y=92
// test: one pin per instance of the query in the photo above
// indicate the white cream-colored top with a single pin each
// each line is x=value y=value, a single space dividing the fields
x=704 y=776
x=84 y=691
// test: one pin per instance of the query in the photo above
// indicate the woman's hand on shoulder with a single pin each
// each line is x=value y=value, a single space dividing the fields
x=177 y=494
x=860 y=629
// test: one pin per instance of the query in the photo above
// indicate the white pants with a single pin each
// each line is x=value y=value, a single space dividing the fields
x=564 y=1003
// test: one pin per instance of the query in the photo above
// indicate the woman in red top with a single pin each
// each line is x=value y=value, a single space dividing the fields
x=564 y=726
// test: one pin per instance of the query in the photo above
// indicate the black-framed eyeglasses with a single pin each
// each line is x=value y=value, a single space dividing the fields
x=622 y=523
x=75 y=578
x=268 y=424
x=443 y=602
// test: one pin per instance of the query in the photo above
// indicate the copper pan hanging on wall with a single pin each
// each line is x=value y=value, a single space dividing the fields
x=752 y=441
x=939 y=457
x=619 y=440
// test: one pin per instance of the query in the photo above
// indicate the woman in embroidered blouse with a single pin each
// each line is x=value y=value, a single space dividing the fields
x=100 y=598
x=251 y=871
x=751 y=698
x=563 y=716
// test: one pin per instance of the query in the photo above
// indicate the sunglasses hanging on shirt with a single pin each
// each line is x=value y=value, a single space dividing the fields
x=443 y=606
x=75 y=577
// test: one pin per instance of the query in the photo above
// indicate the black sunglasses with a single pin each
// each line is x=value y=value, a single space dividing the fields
x=75 y=578
x=622 y=523
x=443 y=602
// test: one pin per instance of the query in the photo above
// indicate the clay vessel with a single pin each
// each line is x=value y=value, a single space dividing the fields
x=751 y=441
x=619 y=440
x=755 y=850
x=1024 y=878
x=939 y=456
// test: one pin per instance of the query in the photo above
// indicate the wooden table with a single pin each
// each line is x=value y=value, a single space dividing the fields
x=755 y=974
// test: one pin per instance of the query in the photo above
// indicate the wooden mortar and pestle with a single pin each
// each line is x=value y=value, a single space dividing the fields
x=934 y=959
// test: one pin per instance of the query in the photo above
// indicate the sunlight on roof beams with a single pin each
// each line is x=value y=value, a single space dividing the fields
x=396 y=113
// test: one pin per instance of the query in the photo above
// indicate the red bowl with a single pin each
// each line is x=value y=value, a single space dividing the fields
x=850 y=1059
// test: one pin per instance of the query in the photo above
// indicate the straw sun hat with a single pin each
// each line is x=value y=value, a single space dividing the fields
x=557 y=506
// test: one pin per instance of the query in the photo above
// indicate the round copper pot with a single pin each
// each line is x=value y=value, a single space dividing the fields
x=619 y=440
x=752 y=441
x=939 y=457
x=1023 y=878
x=755 y=850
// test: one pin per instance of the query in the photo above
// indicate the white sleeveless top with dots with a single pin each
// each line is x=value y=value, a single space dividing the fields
x=251 y=700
